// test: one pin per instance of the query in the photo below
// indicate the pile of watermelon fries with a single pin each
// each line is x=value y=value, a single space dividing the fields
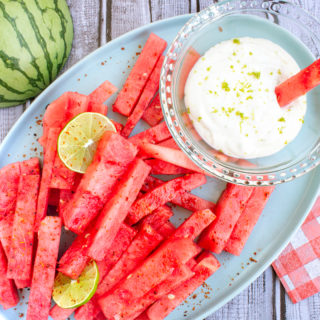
x=118 y=210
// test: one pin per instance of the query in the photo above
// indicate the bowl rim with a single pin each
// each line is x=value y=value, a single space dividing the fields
x=249 y=176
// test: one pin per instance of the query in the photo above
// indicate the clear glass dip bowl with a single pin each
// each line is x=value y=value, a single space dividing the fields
x=281 y=22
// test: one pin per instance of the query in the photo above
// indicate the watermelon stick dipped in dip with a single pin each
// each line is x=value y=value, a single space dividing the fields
x=230 y=97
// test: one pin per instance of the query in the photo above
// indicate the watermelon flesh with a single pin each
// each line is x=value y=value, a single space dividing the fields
x=176 y=157
x=167 y=230
x=44 y=268
x=139 y=75
x=20 y=256
x=142 y=245
x=185 y=200
x=178 y=276
x=248 y=219
x=116 y=209
x=190 y=59
x=54 y=197
x=54 y=115
x=144 y=242
x=113 y=155
x=74 y=260
x=206 y=266
x=162 y=263
x=194 y=225
x=103 y=92
x=121 y=243
x=228 y=210
x=162 y=194
x=9 y=182
x=148 y=93
x=169 y=143
x=155 y=134
x=8 y=292
x=158 y=217
x=57 y=313
x=299 y=84
x=48 y=162
x=162 y=167
x=153 y=114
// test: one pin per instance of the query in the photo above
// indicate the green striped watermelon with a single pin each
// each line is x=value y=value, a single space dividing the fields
x=35 y=42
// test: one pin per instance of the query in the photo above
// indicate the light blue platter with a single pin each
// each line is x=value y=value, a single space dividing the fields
x=284 y=213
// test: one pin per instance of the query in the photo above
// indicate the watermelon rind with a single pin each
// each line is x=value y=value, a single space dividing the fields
x=35 y=42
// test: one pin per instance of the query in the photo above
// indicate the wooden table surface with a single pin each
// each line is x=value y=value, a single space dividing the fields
x=99 y=21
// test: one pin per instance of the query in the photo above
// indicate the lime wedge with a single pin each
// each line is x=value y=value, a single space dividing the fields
x=78 y=140
x=68 y=293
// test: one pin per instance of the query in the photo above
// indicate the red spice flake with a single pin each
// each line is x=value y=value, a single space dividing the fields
x=78 y=79
x=102 y=63
x=220 y=29
x=139 y=46
x=255 y=253
x=85 y=75
x=9 y=154
x=253 y=260
x=36 y=118
x=38 y=122
x=194 y=308
x=122 y=48
x=24 y=155
x=129 y=67
x=194 y=296
x=138 y=53
x=21 y=315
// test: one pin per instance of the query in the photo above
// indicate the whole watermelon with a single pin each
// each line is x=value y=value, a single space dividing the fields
x=35 y=42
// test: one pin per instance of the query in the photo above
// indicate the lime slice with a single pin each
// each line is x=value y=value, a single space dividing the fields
x=68 y=293
x=78 y=140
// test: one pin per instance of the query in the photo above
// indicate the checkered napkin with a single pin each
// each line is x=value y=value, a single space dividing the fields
x=298 y=266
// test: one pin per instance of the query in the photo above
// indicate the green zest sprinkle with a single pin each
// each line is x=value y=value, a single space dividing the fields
x=234 y=53
x=282 y=119
x=279 y=71
x=188 y=110
x=206 y=78
x=255 y=74
x=286 y=142
x=210 y=91
x=237 y=41
x=209 y=68
x=244 y=66
x=231 y=67
x=249 y=98
x=250 y=53
x=230 y=110
x=271 y=73
x=214 y=110
x=238 y=94
x=225 y=86
x=199 y=118
x=301 y=120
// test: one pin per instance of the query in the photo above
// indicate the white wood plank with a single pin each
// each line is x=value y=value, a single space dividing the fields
x=127 y=15
x=8 y=116
x=254 y=303
x=162 y=9
x=86 y=18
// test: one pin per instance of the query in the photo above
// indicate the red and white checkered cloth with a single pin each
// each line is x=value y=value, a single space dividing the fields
x=298 y=266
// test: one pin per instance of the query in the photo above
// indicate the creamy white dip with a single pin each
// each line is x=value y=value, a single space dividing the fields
x=230 y=98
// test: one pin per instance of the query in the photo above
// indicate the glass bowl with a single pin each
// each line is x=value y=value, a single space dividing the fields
x=281 y=22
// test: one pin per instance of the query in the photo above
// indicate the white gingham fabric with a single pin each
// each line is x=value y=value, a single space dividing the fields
x=298 y=266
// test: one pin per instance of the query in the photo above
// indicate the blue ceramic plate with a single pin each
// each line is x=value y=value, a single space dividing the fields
x=284 y=213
